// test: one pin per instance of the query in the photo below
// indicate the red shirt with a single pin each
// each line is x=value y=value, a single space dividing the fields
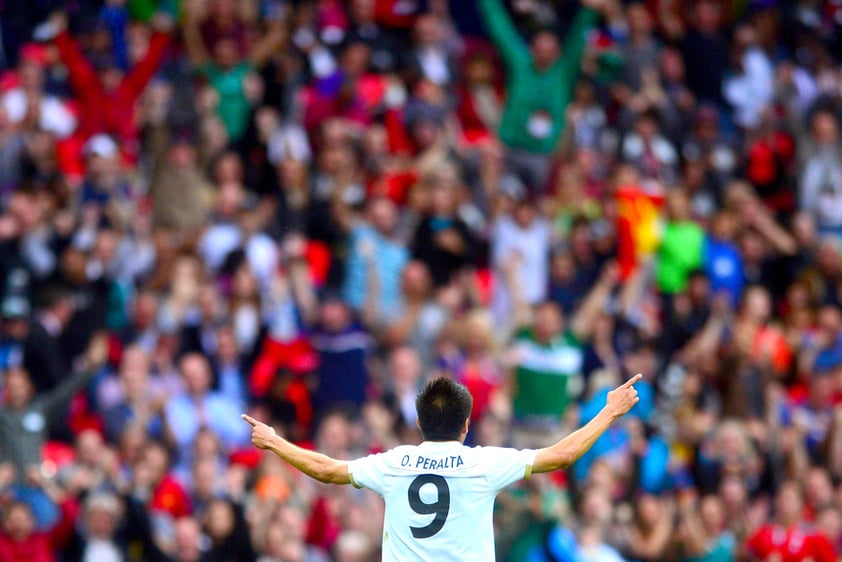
x=37 y=548
x=112 y=112
x=171 y=498
x=792 y=545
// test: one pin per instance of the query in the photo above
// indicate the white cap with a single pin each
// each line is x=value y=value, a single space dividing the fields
x=101 y=145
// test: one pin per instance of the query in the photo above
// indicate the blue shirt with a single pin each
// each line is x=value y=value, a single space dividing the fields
x=388 y=264
x=218 y=413
x=724 y=268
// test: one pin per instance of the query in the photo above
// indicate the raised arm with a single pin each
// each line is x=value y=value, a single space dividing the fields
x=142 y=72
x=566 y=451
x=511 y=46
x=95 y=357
x=585 y=317
x=574 y=42
x=315 y=465
x=80 y=72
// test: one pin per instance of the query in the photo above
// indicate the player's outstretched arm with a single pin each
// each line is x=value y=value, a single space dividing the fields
x=316 y=465
x=566 y=451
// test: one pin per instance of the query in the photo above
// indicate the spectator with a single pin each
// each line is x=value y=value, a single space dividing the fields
x=546 y=359
x=343 y=347
x=532 y=122
x=779 y=538
x=198 y=406
x=105 y=93
x=27 y=413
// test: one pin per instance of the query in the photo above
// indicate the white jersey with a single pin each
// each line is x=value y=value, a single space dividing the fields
x=440 y=497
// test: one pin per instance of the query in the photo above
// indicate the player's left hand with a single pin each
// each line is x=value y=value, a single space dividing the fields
x=262 y=435
x=623 y=398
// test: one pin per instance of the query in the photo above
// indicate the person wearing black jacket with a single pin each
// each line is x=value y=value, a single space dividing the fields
x=44 y=356
x=442 y=240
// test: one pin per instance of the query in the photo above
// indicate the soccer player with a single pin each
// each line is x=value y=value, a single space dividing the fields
x=440 y=494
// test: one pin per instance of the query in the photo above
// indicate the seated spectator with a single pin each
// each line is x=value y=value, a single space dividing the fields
x=198 y=406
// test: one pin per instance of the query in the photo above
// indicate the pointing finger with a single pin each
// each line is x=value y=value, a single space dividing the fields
x=250 y=420
x=631 y=381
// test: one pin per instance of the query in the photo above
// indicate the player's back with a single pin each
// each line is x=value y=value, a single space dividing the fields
x=440 y=497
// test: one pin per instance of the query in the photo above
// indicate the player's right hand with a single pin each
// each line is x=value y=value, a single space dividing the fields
x=623 y=398
x=262 y=435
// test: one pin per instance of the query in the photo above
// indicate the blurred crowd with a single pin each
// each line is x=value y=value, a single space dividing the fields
x=304 y=209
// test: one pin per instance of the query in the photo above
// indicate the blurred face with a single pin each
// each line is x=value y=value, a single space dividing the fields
x=733 y=493
x=416 y=280
x=196 y=374
x=182 y=155
x=204 y=477
x=829 y=521
x=545 y=49
x=713 y=514
x=548 y=322
x=639 y=21
x=788 y=505
x=17 y=388
x=226 y=344
x=672 y=66
x=223 y=9
x=355 y=59
x=31 y=76
x=207 y=445
x=187 y=539
x=362 y=10
x=100 y=523
x=335 y=315
x=524 y=214
x=156 y=461
x=825 y=128
x=479 y=70
x=443 y=199
x=334 y=434
x=427 y=30
x=89 y=447
x=226 y=54
x=111 y=78
x=707 y=16
x=19 y=523
x=818 y=486
x=384 y=215
x=291 y=173
x=563 y=267
x=758 y=306
x=229 y=169
x=648 y=510
x=405 y=367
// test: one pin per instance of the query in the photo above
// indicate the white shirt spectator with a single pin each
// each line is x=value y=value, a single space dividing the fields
x=751 y=92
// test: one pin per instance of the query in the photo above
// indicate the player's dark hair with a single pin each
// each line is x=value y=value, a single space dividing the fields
x=443 y=405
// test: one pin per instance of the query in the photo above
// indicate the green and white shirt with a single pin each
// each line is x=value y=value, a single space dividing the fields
x=546 y=375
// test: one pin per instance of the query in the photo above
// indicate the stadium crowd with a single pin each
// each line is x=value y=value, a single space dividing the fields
x=305 y=209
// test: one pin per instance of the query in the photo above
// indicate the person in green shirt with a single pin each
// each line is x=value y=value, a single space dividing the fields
x=232 y=78
x=681 y=250
x=540 y=80
x=546 y=359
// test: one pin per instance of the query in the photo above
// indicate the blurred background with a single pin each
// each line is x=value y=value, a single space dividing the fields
x=306 y=209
